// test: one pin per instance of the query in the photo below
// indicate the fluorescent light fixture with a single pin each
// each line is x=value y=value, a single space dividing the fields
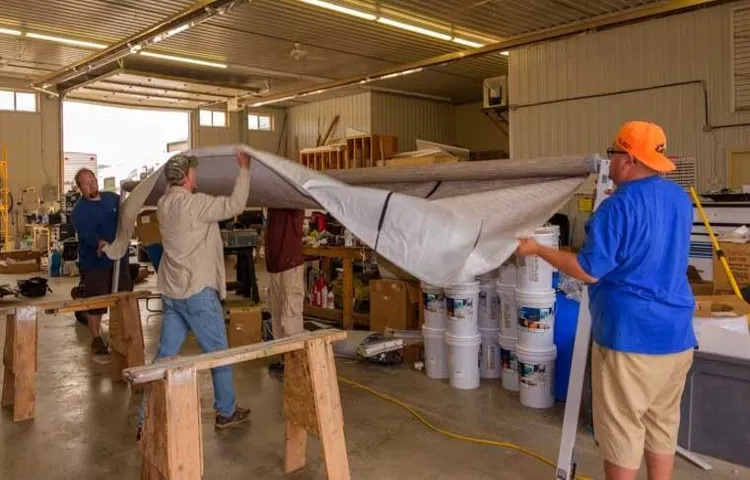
x=136 y=48
x=468 y=43
x=278 y=100
x=177 y=30
x=67 y=41
x=176 y=58
x=10 y=31
x=505 y=53
x=414 y=28
x=341 y=9
x=316 y=92
x=399 y=74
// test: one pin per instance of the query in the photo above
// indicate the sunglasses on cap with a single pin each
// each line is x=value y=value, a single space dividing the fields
x=611 y=151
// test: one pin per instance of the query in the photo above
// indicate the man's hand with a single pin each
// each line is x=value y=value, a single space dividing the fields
x=243 y=159
x=102 y=244
x=526 y=247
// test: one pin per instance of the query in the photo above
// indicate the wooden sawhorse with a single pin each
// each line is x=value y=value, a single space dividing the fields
x=20 y=352
x=172 y=446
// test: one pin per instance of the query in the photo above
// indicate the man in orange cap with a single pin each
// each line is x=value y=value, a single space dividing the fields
x=635 y=259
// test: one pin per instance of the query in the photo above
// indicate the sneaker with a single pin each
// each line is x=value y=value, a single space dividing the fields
x=98 y=347
x=240 y=415
x=276 y=367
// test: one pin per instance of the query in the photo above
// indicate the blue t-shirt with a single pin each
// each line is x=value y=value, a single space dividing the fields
x=637 y=246
x=95 y=220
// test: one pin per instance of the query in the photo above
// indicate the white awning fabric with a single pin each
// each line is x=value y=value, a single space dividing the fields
x=444 y=224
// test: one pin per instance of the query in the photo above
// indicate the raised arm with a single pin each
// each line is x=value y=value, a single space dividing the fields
x=211 y=209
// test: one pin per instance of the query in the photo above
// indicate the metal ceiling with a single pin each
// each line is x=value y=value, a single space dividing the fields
x=255 y=40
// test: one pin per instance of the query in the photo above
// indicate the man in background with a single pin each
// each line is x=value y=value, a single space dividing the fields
x=635 y=258
x=94 y=218
x=286 y=266
x=191 y=274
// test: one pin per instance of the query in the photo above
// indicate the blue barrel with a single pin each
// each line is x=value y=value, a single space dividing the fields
x=154 y=254
x=566 y=322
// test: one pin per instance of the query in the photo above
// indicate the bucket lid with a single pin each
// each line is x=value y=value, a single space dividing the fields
x=434 y=331
x=504 y=287
x=462 y=340
x=430 y=288
x=507 y=342
x=540 y=354
x=489 y=331
x=530 y=293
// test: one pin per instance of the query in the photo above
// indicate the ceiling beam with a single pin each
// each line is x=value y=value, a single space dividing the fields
x=584 y=26
x=197 y=13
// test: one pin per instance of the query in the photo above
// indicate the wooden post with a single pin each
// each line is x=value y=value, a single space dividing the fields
x=126 y=336
x=19 y=357
x=348 y=294
x=299 y=409
x=171 y=445
x=330 y=417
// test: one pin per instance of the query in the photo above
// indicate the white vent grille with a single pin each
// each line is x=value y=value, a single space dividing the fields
x=741 y=57
x=684 y=174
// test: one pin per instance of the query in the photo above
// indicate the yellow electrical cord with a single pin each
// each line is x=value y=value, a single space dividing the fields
x=483 y=441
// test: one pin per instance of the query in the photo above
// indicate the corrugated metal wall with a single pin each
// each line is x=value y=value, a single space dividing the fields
x=268 y=141
x=33 y=144
x=411 y=118
x=306 y=122
x=476 y=131
x=683 y=48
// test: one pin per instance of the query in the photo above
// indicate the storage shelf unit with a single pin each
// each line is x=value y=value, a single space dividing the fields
x=323 y=158
x=366 y=151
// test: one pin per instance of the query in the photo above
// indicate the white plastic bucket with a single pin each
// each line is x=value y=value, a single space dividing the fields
x=489 y=354
x=536 y=376
x=434 y=307
x=508 y=362
x=461 y=305
x=463 y=360
x=536 y=319
x=435 y=353
x=507 y=312
x=535 y=274
x=488 y=315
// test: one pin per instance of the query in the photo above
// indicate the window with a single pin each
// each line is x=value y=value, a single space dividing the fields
x=17 y=101
x=741 y=58
x=260 y=122
x=212 y=118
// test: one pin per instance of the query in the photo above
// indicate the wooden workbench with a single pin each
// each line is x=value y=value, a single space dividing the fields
x=21 y=338
x=348 y=254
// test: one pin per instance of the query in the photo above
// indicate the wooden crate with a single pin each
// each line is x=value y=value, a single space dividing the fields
x=417 y=161
x=365 y=151
x=323 y=158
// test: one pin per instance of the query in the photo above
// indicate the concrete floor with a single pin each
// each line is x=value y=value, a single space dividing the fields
x=85 y=424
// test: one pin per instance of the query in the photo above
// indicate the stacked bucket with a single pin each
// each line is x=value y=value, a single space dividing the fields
x=505 y=291
x=433 y=332
x=535 y=307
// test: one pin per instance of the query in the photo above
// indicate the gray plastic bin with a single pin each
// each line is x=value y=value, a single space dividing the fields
x=715 y=408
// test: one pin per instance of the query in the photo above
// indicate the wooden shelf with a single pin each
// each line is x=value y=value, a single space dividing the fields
x=336 y=315
x=323 y=158
x=365 y=151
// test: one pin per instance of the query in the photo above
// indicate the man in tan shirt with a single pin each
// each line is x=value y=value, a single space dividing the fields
x=191 y=275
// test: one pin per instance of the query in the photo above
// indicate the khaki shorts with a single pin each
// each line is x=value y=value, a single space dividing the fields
x=286 y=298
x=636 y=403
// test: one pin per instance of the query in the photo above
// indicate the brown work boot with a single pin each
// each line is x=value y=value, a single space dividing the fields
x=240 y=415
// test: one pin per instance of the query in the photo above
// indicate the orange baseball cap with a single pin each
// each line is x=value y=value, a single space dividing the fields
x=647 y=142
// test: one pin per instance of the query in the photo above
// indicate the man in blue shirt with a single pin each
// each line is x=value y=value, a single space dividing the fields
x=94 y=218
x=635 y=259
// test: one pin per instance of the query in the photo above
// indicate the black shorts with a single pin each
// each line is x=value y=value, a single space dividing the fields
x=98 y=281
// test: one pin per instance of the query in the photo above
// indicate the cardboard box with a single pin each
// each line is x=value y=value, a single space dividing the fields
x=701 y=288
x=20 y=262
x=394 y=304
x=738 y=257
x=721 y=325
x=413 y=351
x=147 y=228
x=245 y=325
